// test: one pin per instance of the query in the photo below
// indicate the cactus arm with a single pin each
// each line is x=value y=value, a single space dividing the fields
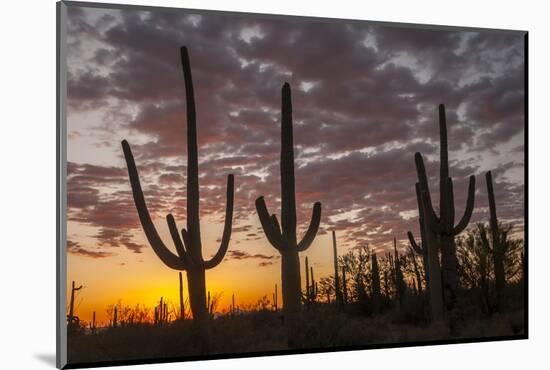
x=312 y=229
x=492 y=206
x=414 y=245
x=276 y=223
x=469 y=207
x=270 y=230
x=170 y=259
x=451 y=196
x=422 y=177
x=180 y=247
x=214 y=261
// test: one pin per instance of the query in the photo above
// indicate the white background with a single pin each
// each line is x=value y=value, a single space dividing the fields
x=27 y=182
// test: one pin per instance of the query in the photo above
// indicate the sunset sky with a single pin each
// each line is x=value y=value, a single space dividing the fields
x=364 y=99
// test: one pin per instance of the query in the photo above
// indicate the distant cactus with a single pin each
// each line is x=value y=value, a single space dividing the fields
x=443 y=228
x=114 y=323
x=188 y=245
x=400 y=285
x=232 y=309
x=283 y=237
x=92 y=324
x=337 y=290
x=275 y=301
x=498 y=246
x=375 y=278
x=344 y=286
x=311 y=285
x=72 y=320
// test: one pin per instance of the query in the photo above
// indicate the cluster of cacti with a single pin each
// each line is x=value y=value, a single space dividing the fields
x=311 y=285
x=283 y=236
x=188 y=244
x=161 y=313
x=441 y=230
x=437 y=248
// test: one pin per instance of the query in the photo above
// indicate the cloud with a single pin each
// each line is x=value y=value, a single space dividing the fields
x=242 y=255
x=370 y=103
x=76 y=249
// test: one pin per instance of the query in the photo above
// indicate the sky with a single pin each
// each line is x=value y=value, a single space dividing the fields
x=365 y=99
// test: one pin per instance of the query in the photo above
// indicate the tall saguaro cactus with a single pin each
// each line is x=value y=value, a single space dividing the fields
x=188 y=245
x=443 y=226
x=283 y=237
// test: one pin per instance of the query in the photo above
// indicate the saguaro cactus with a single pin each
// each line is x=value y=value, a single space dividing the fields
x=71 y=318
x=188 y=245
x=115 y=317
x=422 y=248
x=375 y=277
x=499 y=244
x=275 y=299
x=311 y=285
x=92 y=324
x=283 y=237
x=443 y=227
x=337 y=290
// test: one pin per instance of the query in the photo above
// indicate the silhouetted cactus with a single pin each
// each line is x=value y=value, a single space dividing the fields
x=72 y=320
x=92 y=324
x=311 y=285
x=442 y=229
x=498 y=246
x=375 y=284
x=400 y=286
x=275 y=301
x=115 y=317
x=337 y=290
x=232 y=309
x=422 y=248
x=283 y=237
x=188 y=245
x=344 y=286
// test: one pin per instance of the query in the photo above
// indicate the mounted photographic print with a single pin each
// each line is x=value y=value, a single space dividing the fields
x=234 y=185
